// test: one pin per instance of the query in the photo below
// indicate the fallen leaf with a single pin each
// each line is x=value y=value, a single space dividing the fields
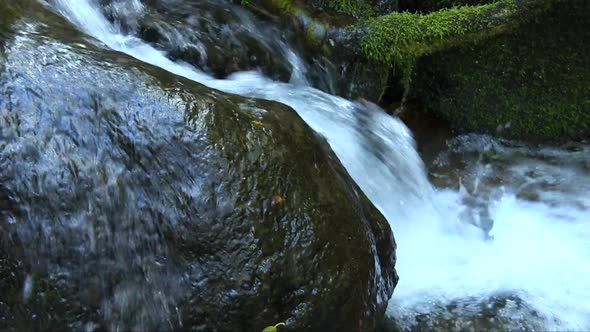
x=279 y=200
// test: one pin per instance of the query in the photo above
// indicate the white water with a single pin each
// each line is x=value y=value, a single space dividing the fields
x=540 y=251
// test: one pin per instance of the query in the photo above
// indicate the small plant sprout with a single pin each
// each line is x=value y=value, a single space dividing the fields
x=273 y=328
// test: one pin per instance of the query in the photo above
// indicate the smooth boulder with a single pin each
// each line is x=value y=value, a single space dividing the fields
x=133 y=199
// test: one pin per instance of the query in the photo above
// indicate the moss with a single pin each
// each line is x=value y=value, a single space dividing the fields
x=402 y=38
x=532 y=83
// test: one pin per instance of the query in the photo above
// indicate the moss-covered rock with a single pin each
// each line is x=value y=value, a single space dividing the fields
x=402 y=38
x=530 y=83
x=515 y=68
x=133 y=199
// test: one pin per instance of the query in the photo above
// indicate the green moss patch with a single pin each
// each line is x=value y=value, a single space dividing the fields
x=532 y=83
x=402 y=38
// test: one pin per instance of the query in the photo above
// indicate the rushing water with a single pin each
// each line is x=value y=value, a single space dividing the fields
x=517 y=230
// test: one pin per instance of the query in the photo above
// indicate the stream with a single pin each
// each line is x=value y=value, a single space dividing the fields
x=501 y=241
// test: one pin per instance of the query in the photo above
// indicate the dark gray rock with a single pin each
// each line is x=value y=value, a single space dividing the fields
x=134 y=199
x=216 y=36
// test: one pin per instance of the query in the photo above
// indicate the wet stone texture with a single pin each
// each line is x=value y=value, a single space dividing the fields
x=134 y=199
x=217 y=36
x=500 y=312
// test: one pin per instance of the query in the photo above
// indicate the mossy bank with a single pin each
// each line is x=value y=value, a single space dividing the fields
x=530 y=83
x=512 y=68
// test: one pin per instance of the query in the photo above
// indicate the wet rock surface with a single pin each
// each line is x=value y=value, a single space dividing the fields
x=217 y=36
x=502 y=312
x=134 y=199
x=326 y=40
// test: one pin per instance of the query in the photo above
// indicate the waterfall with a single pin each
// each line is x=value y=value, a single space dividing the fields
x=537 y=251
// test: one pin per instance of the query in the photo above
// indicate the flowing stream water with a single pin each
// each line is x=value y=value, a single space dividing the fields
x=512 y=243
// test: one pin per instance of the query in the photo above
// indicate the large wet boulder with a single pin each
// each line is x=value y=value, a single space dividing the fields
x=131 y=198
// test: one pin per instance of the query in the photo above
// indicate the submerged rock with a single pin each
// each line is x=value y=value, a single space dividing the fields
x=131 y=198
x=500 y=312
